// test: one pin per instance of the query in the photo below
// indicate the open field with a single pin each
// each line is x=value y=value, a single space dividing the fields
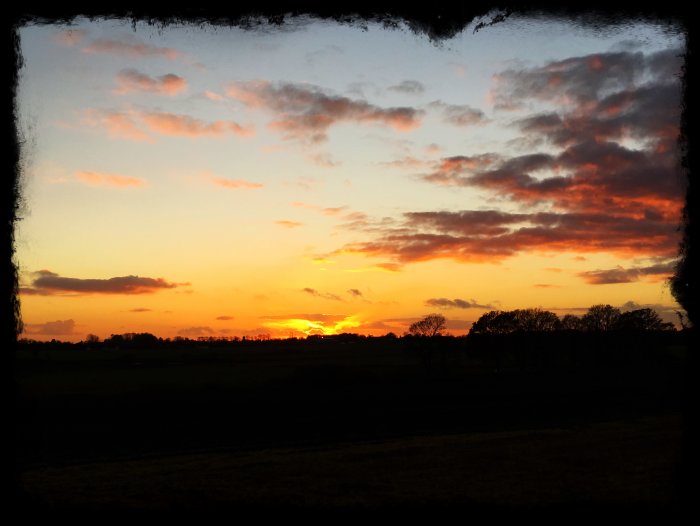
x=338 y=427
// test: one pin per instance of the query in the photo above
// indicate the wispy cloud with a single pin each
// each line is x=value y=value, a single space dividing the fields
x=132 y=47
x=224 y=318
x=186 y=126
x=135 y=125
x=288 y=224
x=130 y=80
x=118 y=124
x=50 y=328
x=455 y=304
x=459 y=115
x=236 y=184
x=412 y=87
x=322 y=295
x=306 y=112
x=45 y=282
x=628 y=275
x=196 y=331
x=111 y=180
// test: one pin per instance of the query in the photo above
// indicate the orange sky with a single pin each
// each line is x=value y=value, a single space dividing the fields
x=324 y=179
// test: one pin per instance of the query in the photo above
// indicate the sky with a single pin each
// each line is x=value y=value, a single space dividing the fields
x=317 y=178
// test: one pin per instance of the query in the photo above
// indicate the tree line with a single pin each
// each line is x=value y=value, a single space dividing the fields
x=598 y=318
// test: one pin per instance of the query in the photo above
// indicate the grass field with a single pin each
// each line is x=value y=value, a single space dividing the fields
x=342 y=428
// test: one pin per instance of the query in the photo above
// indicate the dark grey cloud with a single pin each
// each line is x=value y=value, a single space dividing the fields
x=455 y=304
x=46 y=282
x=409 y=86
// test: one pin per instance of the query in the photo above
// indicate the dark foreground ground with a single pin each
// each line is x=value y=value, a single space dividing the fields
x=341 y=428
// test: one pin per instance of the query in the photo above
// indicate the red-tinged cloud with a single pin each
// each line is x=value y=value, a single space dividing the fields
x=141 y=309
x=236 y=184
x=141 y=126
x=130 y=80
x=323 y=295
x=288 y=224
x=46 y=282
x=131 y=48
x=609 y=178
x=459 y=115
x=492 y=236
x=619 y=274
x=224 y=318
x=305 y=112
x=456 y=303
x=50 y=328
x=196 y=331
x=355 y=293
x=70 y=37
x=545 y=286
x=118 y=124
x=111 y=180
x=186 y=126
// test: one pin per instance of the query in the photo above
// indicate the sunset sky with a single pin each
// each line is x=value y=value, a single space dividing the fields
x=318 y=178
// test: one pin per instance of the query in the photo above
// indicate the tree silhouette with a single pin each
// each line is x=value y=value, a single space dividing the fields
x=601 y=318
x=571 y=323
x=431 y=325
x=643 y=320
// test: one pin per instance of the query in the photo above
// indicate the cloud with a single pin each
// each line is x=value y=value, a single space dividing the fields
x=196 y=331
x=324 y=295
x=459 y=115
x=545 y=286
x=70 y=37
x=186 y=126
x=628 y=275
x=455 y=304
x=130 y=80
x=134 y=125
x=355 y=293
x=407 y=162
x=131 y=48
x=608 y=181
x=51 y=328
x=119 y=124
x=288 y=224
x=326 y=318
x=140 y=309
x=236 y=184
x=214 y=96
x=46 y=282
x=224 y=318
x=111 y=180
x=305 y=112
x=493 y=235
x=323 y=160
x=412 y=87
x=328 y=210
